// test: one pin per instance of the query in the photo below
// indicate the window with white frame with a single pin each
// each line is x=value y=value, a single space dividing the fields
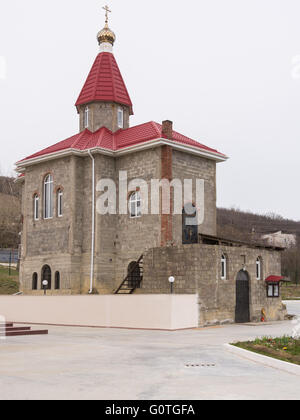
x=36 y=202
x=60 y=195
x=86 y=117
x=48 y=197
x=258 y=268
x=224 y=267
x=120 y=118
x=273 y=290
x=135 y=205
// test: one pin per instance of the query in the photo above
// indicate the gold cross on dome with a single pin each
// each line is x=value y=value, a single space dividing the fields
x=106 y=8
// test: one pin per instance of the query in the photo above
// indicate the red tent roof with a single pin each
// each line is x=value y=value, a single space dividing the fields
x=274 y=279
x=105 y=139
x=105 y=83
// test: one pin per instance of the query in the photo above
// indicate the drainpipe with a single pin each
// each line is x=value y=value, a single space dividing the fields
x=93 y=223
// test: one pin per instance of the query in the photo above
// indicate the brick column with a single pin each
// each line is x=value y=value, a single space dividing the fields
x=167 y=173
x=167 y=129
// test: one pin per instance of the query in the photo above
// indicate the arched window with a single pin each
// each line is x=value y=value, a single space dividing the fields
x=189 y=225
x=57 y=280
x=34 y=281
x=46 y=275
x=224 y=267
x=48 y=197
x=258 y=268
x=60 y=203
x=36 y=203
x=135 y=205
x=86 y=117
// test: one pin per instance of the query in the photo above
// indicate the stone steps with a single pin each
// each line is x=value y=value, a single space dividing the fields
x=11 y=329
x=8 y=330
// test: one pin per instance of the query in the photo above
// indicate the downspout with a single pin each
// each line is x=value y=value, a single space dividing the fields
x=93 y=224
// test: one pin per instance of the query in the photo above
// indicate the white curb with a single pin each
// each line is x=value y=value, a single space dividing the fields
x=265 y=360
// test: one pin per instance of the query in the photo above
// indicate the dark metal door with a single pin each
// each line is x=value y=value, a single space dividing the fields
x=189 y=232
x=242 y=309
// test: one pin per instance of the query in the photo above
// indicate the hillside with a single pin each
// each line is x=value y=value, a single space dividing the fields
x=246 y=226
x=8 y=186
x=240 y=224
x=10 y=213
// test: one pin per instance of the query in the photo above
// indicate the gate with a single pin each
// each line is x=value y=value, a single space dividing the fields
x=9 y=256
x=242 y=309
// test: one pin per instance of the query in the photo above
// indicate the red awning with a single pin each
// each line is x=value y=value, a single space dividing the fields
x=274 y=279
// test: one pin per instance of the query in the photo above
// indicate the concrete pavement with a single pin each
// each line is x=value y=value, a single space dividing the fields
x=83 y=363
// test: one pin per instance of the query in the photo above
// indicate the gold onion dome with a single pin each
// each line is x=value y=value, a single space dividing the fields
x=106 y=35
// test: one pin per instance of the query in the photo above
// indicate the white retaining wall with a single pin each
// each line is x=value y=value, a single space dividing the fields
x=166 y=312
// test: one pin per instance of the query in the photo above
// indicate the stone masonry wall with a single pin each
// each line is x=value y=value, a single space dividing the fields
x=103 y=114
x=64 y=243
x=186 y=166
x=54 y=242
x=135 y=236
x=197 y=269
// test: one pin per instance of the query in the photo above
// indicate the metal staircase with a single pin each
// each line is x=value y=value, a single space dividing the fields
x=133 y=279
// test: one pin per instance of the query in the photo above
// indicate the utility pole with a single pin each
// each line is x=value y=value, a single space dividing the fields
x=9 y=265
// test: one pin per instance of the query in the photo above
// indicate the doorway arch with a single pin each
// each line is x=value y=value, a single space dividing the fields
x=242 y=308
x=46 y=275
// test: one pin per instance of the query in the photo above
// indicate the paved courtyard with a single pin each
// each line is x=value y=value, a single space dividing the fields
x=85 y=363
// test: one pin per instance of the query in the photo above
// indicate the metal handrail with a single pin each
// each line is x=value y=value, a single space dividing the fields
x=137 y=264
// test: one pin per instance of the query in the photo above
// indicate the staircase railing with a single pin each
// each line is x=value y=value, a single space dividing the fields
x=128 y=286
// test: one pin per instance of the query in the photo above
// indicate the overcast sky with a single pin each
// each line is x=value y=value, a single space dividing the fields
x=225 y=71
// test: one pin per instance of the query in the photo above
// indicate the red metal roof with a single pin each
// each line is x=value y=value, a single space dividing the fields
x=105 y=139
x=274 y=279
x=105 y=83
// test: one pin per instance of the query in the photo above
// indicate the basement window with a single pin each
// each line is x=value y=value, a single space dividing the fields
x=57 y=280
x=34 y=281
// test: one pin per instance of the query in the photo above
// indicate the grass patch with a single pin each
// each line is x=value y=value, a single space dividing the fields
x=9 y=284
x=290 y=292
x=282 y=348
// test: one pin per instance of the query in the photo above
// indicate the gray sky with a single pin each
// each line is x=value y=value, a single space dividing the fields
x=225 y=71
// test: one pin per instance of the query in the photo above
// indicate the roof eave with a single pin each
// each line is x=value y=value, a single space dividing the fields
x=126 y=150
x=80 y=104
x=21 y=166
x=177 y=146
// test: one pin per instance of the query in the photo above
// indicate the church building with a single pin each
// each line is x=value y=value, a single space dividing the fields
x=69 y=243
